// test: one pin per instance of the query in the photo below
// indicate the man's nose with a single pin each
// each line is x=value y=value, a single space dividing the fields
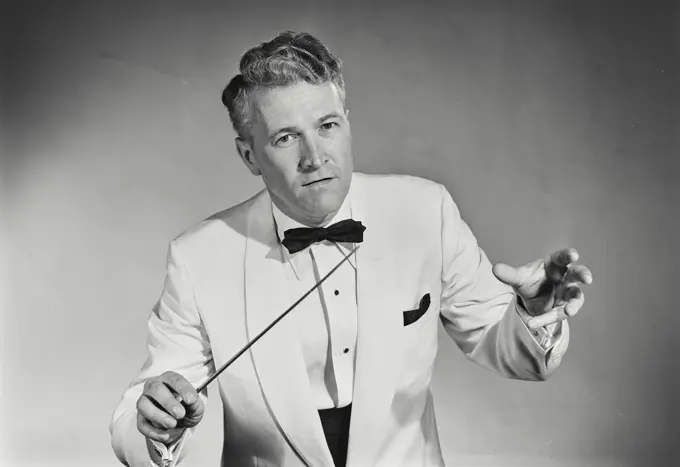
x=313 y=156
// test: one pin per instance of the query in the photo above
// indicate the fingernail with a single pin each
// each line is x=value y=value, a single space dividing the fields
x=177 y=411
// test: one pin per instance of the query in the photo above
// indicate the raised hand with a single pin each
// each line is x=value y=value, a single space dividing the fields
x=549 y=287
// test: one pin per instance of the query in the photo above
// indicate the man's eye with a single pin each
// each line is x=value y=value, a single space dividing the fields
x=285 y=139
x=328 y=125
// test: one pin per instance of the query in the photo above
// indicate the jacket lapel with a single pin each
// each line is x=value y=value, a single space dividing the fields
x=378 y=328
x=277 y=356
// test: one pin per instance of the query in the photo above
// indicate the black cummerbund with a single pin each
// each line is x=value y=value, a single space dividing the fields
x=335 y=424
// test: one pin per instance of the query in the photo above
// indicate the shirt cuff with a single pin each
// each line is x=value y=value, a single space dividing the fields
x=546 y=336
x=169 y=453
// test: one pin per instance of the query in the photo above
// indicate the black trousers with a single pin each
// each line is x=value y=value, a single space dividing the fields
x=335 y=424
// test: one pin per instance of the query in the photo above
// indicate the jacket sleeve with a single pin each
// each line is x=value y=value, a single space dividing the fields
x=177 y=341
x=481 y=314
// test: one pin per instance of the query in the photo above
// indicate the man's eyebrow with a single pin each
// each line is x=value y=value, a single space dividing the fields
x=286 y=129
x=293 y=129
x=327 y=116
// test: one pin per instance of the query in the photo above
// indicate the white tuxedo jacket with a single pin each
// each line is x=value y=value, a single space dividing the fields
x=226 y=282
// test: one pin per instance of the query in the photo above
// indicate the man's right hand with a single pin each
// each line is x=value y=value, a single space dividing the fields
x=161 y=416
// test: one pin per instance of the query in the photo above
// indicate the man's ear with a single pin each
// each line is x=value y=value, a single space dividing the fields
x=245 y=150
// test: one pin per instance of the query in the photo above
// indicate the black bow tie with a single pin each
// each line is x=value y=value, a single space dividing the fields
x=344 y=231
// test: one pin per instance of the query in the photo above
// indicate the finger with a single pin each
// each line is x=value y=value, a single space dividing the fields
x=579 y=273
x=183 y=390
x=564 y=257
x=508 y=275
x=557 y=264
x=575 y=299
x=555 y=315
x=150 y=431
x=156 y=416
x=158 y=392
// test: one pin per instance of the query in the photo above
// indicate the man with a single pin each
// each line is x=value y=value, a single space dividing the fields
x=345 y=378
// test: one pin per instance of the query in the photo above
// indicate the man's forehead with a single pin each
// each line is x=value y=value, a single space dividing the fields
x=295 y=104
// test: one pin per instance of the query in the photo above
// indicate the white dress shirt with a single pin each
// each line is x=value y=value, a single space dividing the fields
x=327 y=319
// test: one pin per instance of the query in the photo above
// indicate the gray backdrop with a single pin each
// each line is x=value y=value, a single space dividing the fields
x=552 y=123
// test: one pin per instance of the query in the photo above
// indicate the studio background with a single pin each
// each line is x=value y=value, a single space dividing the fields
x=552 y=123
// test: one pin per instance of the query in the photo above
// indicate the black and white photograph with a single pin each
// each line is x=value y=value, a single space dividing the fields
x=339 y=234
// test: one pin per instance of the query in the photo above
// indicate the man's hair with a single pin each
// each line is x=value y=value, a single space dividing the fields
x=285 y=60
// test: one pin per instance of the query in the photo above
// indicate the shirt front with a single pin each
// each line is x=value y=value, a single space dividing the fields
x=326 y=320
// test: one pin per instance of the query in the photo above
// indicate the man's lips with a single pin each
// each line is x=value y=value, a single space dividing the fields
x=325 y=179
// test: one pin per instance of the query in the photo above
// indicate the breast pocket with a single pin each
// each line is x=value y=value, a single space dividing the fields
x=412 y=317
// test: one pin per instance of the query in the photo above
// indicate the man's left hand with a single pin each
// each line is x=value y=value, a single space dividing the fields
x=548 y=287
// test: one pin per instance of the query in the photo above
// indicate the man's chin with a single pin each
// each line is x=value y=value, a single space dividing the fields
x=322 y=211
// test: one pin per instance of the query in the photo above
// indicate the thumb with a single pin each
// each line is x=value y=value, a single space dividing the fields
x=507 y=275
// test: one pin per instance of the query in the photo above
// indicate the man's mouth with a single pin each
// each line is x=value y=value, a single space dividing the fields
x=315 y=182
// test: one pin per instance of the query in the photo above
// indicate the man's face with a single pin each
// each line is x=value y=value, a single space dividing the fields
x=301 y=145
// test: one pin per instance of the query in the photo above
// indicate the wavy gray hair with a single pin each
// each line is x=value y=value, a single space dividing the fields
x=287 y=59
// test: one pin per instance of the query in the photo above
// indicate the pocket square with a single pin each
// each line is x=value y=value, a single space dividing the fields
x=411 y=316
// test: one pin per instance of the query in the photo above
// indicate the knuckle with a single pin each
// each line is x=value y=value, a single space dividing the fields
x=140 y=403
x=151 y=385
x=155 y=387
x=183 y=381
x=143 y=419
